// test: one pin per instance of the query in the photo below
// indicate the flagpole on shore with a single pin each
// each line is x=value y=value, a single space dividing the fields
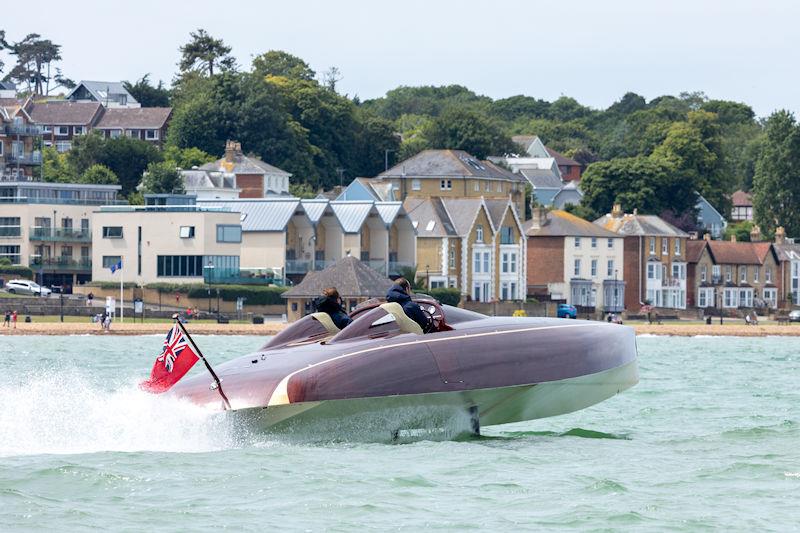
x=205 y=362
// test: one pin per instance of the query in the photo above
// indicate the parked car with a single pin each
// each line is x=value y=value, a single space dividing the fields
x=794 y=316
x=566 y=311
x=23 y=286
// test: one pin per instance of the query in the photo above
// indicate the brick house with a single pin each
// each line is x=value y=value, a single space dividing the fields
x=573 y=260
x=254 y=177
x=144 y=123
x=654 y=259
x=20 y=157
x=61 y=121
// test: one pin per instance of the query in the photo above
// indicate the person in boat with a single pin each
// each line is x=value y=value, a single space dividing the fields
x=331 y=303
x=401 y=293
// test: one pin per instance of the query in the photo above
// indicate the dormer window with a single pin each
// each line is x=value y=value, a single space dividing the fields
x=479 y=233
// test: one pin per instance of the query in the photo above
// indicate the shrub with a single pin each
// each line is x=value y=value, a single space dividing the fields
x=182 y=288
x=15 y=271
x=107 y=285
x=255 y=295
x=447 y=296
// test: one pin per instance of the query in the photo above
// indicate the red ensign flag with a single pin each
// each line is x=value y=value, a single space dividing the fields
x=176 y=359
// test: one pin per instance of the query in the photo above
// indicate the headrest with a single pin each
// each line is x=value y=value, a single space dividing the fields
x=406 y=324
x=325 y=320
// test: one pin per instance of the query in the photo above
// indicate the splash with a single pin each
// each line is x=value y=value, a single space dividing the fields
x=62 y=412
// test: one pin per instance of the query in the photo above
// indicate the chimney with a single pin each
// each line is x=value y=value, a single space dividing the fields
x=616 y=212
x=755 y=234
x=232 y=149
x=780 y=235
x=538 y=217
x=733 y=237
x=707 y=237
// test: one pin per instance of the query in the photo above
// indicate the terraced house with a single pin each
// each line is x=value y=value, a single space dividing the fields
x=654 y=255
x=20 y=156
x=474 y=244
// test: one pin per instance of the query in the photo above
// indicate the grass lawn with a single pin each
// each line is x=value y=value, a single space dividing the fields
x=8 y=295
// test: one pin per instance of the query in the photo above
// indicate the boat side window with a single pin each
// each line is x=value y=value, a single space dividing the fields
x=373 y=323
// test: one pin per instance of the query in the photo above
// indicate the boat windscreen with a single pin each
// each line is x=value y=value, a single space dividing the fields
x=456 y=315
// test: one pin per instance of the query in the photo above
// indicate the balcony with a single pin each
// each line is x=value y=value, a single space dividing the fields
x=322 y=264
x=34 y=158
x=378 y=265
x=60 y=234
x=213 y=276
x=396 y=266
x=297 y=266
x=22 y=129
x=60 y=263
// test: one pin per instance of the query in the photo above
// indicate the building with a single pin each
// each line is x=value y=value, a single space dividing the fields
x=291 y=237
x=20 y=156
x=175 y=242
x=210 y=184
x=574 y=260
x=354 y=280
x=453 y=174
x=474 y=244
x=742 y=206
x=654 y=259
x=709 y=219
x=48 y=227
x=109 y=94
x=62 y=121
x=789 y=269
x=254 y=177
x=7 y=90
x=361 y=189
x=534 y=148
x=143 y=123
x=728 y=275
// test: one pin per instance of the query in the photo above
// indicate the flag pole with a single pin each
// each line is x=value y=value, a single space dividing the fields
x=205 y=362
x=121 y=298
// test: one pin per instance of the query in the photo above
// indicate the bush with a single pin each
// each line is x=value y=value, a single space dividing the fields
x=255 y=295
x=15 y=271
x=182 y=288
x=446 y=296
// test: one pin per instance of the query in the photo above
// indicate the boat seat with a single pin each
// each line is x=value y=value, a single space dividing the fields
x=406 y=324
x=327 y=321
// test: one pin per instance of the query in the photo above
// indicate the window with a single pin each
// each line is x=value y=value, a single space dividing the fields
x=715 y=272
x=437 y=284
x=229 y=233
x=610 y=243
x=652 y=245
x=416 y=185
x=729 y=299
x=79 y=130
x=486 y=262
x=446 y=185
x=10 y=227
x=505 y=263
x=677 y=247
x=477 y=186
x=47 y=129
x=479 y=233
x=703 y=273
x=111 y=260
x=594 y=268
x=477 y=267
x=577 y=242
x=664 y=246
x=133 y=134
x=499 y=186
x=746 y=298
x=577 y=268
x=768 y=275
x=488 y=186
x=62 y=130
x=651 y=272
x=756 y=273
x=181 y=266
x=594 y=242
x=771 y=297
x=504 y=291
x=187 y=232
x=151 y=135
x=112 y=232
x=66 y=252
x=115 y=134
x=63 y=146
x=703 y=299
x=513 y=266
x=742 y=274
x=10 y=252
x=452 y=258
x=610 y=268
x=728 y=273
x=506 y=235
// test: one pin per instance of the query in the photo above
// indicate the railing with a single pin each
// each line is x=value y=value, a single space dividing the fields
x=213 y=276
x=58 y=201
x=10 y=232
x=60 y=234
x=24 y=129
x=378 y=265
x=396 y=266
x=322 y=264
x=25 y=159
x=59 y=263
x=297 y=266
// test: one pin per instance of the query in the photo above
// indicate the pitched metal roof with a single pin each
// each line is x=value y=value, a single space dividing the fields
x=64 y=112
x=314 y=208
x=388 y=211
x=351 y=277
x=560 y=223
x=635 y=224
x=447 y=163
x=351 y=215
x=267 y=214
x=135 y=118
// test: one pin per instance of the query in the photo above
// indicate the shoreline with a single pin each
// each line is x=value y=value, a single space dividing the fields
x=75 y=328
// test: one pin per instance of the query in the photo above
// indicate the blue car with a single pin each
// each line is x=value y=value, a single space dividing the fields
x=566 y=311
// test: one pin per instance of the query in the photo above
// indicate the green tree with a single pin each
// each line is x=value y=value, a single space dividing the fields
x=34 y=58
x=741 y=230
x=128 y=158
x=186 y=158
x=426 y=100
x=55 y=167
x=776 y=184
x=162 y=178
x=519 y=107
x=204 y=53
x=469 y=130
x=99 y=175
x=86 y=151
x=147 y=94
x=284 y=64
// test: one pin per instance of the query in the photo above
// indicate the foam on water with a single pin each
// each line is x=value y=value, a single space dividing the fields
x=61 y=412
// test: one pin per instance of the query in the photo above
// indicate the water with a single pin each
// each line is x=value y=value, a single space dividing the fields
x=708 y=439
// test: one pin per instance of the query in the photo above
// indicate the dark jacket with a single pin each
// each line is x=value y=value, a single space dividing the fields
x=334 y=309
x=411 y=309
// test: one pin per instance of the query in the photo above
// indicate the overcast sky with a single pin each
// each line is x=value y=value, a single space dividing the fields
x=592 y=50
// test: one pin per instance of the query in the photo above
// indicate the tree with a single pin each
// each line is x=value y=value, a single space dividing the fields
x=86 y=151
x=284 y=64
x=426 y=100
x=34 y=58
x=519 y=107
x=147 y=94
x=128 y=158
x=204 y=53
x=162 y=178
x=465 y=129
x=99 y=175
x=3 y=46
x=186 y=158
x=741 y=230
x=331 y=77
x=776 y=184
x=55 y=166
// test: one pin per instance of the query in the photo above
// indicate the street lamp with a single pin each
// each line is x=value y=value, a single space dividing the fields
x=428 y=276
x=616 y=289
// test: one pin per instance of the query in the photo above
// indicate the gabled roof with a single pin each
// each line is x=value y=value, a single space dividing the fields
x=64 y=112
x=561 y=159
x=314 y=208
x=541 y=178
x=694 y=250
x=243 y=164
x=740 y=253
x=205 y=179
x=351 y=277
x=635 y=224
x=788 y=252
x=351 y=215
x=135 y=118
x=100 y=89
x=268 y=214
x=360 y=188
x=447 y=164
x=429 y=217
x=388 y=211
x=560 y=223
x=531 y=144
x=463 y=212
x=742 y=199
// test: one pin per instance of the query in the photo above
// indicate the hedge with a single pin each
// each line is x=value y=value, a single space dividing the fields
x=255 y=295
x=446 y=296
x=107 y=285
x=15 y=271
x=182 y=288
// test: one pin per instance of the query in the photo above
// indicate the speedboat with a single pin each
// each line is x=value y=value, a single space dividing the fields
x=382 y=367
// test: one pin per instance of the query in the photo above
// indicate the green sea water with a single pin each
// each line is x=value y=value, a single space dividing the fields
x=709 y=439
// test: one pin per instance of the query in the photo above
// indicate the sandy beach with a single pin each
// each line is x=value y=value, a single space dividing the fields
x=271 y=328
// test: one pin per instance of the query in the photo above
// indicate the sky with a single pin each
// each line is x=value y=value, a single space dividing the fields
x=594 y=51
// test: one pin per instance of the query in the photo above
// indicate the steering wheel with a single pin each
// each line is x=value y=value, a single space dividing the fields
x=434 y=320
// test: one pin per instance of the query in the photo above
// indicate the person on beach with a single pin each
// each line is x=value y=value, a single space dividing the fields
x=107 y=323
x=7 y=319
x=401 y=293
x=14 y=318
x=102 y=320
x=89 y=298
x=331 y=303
